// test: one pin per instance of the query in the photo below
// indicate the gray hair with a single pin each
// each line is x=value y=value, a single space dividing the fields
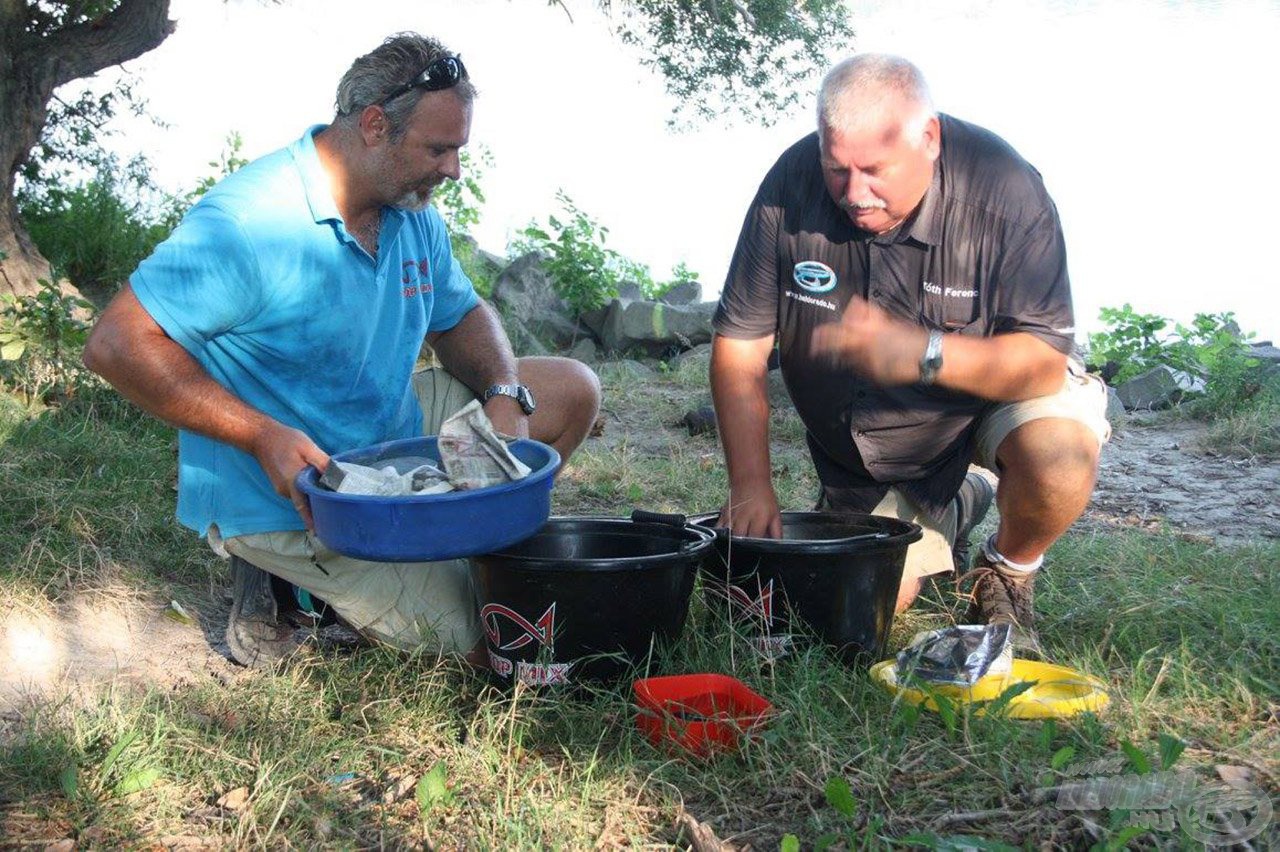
x=386 y=68
x=863 y=90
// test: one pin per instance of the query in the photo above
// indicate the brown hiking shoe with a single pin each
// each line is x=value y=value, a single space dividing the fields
x=1002 y=596
x=256 y=636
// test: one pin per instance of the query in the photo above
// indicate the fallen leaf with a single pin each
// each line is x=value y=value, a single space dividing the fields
x=1236 y=776
x=234 y=800
x=399 y=787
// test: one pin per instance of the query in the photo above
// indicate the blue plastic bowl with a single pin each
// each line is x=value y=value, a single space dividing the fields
x=423 y=528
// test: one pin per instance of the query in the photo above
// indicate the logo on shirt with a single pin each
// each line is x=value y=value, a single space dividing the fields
x=814 y=276
x=416 y=276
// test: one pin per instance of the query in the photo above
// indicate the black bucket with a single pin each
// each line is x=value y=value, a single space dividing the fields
x=584 y=599
x=836 y=572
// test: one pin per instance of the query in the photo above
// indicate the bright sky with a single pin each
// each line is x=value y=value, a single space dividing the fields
x=1152 y=123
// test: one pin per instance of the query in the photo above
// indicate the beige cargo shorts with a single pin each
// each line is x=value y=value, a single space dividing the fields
x=408 y=605
x=1083 y=398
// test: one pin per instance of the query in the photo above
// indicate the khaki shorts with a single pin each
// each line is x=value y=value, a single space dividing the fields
x=1083 y=398
x=404 y=604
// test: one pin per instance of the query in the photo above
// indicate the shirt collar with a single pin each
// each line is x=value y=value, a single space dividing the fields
x=925 y=225
x=315 y=181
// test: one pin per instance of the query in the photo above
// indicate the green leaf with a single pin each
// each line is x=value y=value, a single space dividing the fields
x=998 y=705
x=946 y=710
x=825 y=842
x=69 y=781
x=1048 y=730
x=1171 y=749
x=432 y=789
x=790 y=843
x=1137 y=759
x=137 y=779
x=114 y=755
x=840 y=796
x=12 y=350
x=1121 y=839
x=1062 y=757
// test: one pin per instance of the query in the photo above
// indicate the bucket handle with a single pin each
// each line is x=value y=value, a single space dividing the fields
x=641 y=516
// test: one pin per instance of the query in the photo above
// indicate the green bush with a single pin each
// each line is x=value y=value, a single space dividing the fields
x=584 y=271
x=459 y=203
x=93 y=234
x=41 y=337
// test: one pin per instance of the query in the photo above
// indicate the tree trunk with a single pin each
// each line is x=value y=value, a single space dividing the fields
x=32 y=64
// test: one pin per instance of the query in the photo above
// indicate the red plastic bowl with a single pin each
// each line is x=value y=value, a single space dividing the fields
x=700 y=713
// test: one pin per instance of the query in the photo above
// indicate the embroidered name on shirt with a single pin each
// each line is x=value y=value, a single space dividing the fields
x=930 y=287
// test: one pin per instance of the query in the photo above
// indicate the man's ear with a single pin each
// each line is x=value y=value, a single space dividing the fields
x=933 y=137
x=374 y=128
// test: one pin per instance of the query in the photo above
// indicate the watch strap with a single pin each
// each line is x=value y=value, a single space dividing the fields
x=931 y=360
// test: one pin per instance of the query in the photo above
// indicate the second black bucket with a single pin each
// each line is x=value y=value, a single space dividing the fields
x=585 y=599
x=837 y=572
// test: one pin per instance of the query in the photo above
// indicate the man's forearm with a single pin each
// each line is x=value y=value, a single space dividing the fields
x=131 y=352
x=740 y=392
x=476 y=350
x=1005 y=368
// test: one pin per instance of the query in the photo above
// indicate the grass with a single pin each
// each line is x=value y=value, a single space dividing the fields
x=375 y=749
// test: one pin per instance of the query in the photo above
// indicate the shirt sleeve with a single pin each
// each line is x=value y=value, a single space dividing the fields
x=748 y=306
x=201 y=281
x=1035 y=292
x=453 y=291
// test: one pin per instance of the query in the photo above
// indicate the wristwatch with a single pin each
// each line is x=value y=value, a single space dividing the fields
x=931 y=360
x=519 y=393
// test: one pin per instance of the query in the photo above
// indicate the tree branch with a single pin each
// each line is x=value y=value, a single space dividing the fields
x=130 y=30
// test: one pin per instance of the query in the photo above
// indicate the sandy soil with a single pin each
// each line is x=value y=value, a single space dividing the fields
x=1153 y=473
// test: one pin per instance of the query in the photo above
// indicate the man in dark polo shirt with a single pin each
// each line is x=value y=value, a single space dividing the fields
x=912 y=270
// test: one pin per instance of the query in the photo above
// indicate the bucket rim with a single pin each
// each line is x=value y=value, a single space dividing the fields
x=703 y=540
x=900 y=534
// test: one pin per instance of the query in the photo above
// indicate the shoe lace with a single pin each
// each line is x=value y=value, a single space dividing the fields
x=1007 y=596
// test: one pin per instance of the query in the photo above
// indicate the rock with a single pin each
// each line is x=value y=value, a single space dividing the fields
x=656 y=328
x=1115 y=408
x=594 y=319
x=1264 y=352
x=692 y=364
x=684 y=293
x=626 y=370
x=524 y=292
x=1160 y=387
x=523 y=341
x=584 y=350
x=700 y=420
x=629 y=291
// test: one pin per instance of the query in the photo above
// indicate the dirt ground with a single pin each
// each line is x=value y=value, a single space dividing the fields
x=1152 y=474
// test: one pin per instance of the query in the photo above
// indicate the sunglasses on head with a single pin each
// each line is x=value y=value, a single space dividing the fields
x=444 y=73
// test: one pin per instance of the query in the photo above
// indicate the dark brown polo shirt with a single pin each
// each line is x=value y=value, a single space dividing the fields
x=983 y=254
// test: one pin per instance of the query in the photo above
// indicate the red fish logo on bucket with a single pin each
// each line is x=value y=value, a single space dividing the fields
x=495 y=617
x=759 y=610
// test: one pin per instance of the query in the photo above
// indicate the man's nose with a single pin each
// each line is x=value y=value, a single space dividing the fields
x=855 y=189
x=452 y=167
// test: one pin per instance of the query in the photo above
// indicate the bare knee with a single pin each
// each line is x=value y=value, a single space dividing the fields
x=1052 y=454
x=568 y=396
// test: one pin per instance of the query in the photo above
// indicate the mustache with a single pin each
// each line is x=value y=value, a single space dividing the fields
x=874 y=204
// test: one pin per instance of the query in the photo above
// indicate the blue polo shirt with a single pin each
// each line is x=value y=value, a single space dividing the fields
x=262 y=284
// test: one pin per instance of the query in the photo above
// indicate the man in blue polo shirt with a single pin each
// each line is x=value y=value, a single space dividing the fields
x=281 y=322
